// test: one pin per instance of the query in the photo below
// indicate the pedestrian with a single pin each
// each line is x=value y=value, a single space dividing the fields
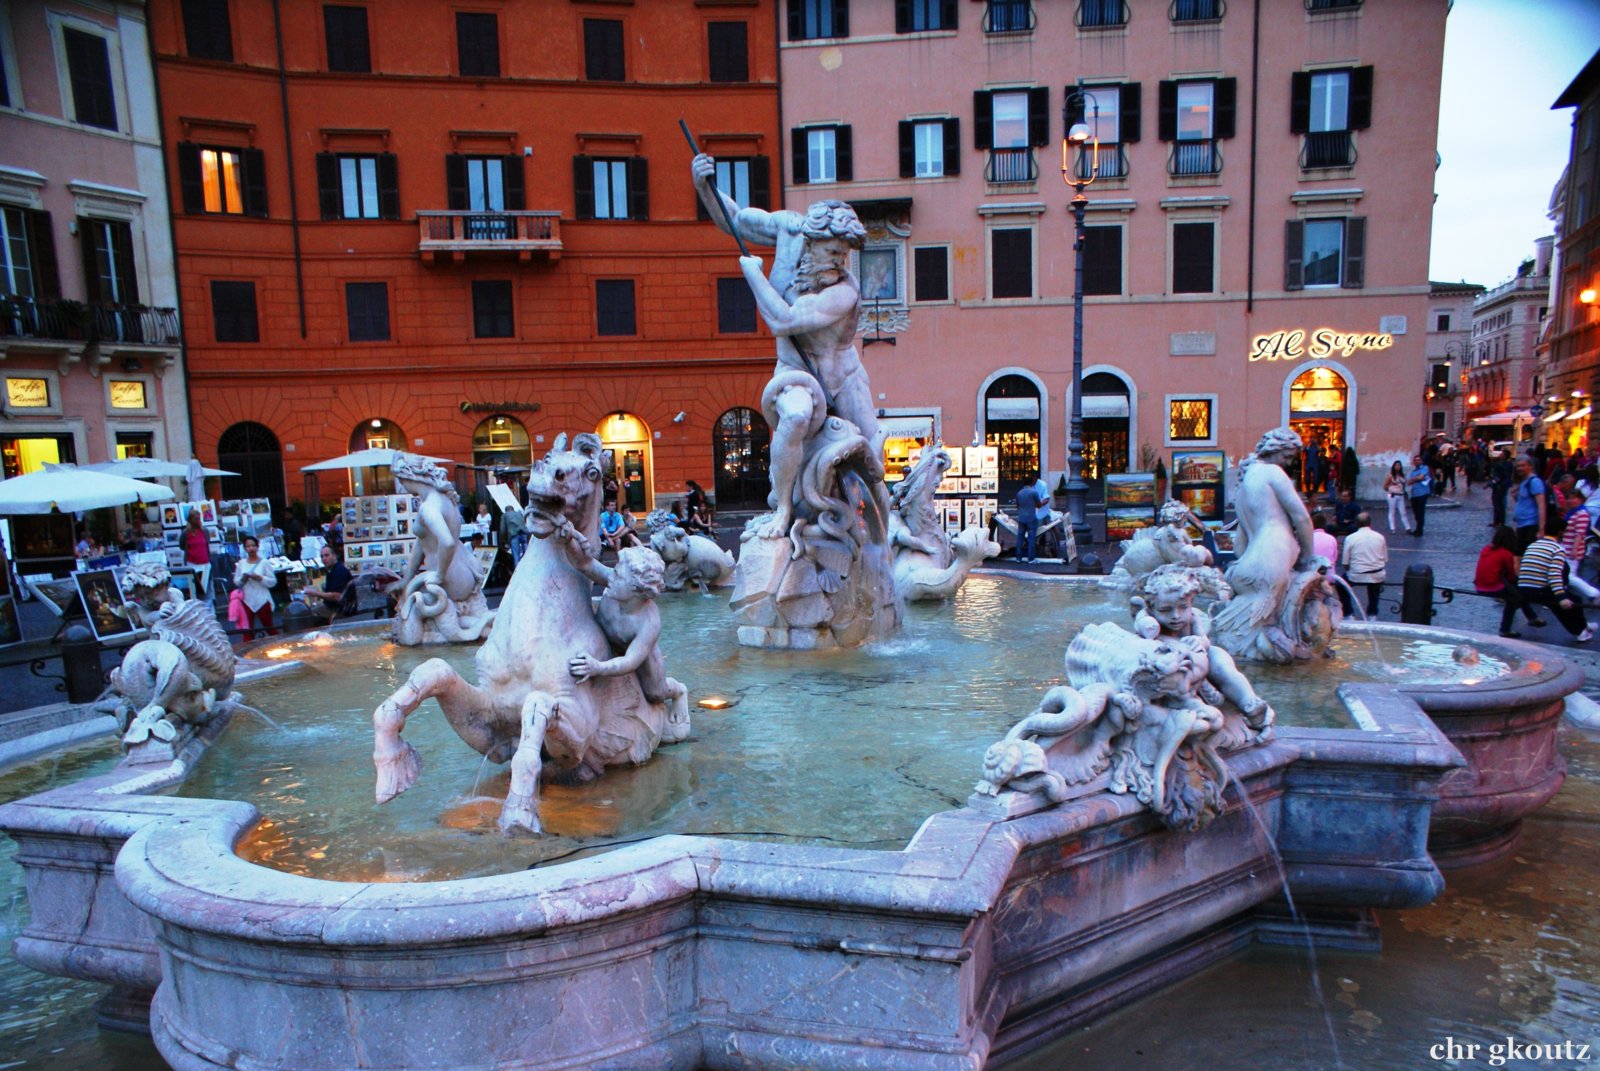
x=1447 y=466
x=699 y=518
x=1419 y=485
x=1496 y=575
x=1313 y=468
x=1366 y=560
x=1531 y=513
x=1322 y=540
x=1553 y=463
x=196 y=544
x=1501 y=472
x=1349 y=469
x=1345 y=513
x=253 y=576
x=1395 y=488
x=1027 y=521
x=1542 y=579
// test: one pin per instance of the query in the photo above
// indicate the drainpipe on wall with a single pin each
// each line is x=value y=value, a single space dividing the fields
x=1255 y=103
x=288 y=152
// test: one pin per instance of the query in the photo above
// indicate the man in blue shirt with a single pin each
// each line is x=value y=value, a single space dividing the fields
x=1530 y=515
x=1028 y=520
x=614 y=530
x=1419 y=485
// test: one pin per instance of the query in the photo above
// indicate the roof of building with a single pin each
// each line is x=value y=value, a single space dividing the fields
x=1581 y=86
x=1437 y=288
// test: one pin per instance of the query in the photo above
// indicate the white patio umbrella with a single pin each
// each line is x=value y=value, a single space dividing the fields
x=155 y=468
x=366 y=459
x=69 y=489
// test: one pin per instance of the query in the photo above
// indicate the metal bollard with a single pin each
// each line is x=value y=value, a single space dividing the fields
x=1416 y=596
x=80 y=664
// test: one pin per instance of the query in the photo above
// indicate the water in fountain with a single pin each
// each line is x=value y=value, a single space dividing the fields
x=1355 y=602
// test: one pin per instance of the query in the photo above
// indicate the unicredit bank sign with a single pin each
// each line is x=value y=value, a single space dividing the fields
x=1291 y=345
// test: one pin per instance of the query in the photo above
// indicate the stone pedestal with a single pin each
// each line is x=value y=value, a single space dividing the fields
x=817 y=600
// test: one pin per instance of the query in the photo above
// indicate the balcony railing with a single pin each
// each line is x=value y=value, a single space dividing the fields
x=1113 y=163
x=1200 y=157
x=73 y=321
x=523 y=233
x=1332 y=5
x=1328 y=148
x=1196 y=10
x=1010 y=165
x=1008 y=16
x=1095 y=14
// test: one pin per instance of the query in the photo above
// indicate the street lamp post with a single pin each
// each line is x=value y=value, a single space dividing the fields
x=1086 y=138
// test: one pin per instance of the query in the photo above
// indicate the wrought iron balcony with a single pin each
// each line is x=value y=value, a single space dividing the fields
x=1008 y=16
x=1196 y=10
x=1332 y=5
x=74 y=321
x=1327 y=148
x=1113 y=163
x=1199 y=157
x=456 y=234
x=1010 y=165
x=1100 y=14
x=136 y=325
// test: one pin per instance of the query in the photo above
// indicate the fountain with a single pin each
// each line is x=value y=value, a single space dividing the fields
x=441 y=591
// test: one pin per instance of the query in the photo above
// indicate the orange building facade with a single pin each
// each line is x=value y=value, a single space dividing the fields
x=465 y=229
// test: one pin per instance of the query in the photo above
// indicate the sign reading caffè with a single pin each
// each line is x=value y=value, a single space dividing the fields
x=1293 y=344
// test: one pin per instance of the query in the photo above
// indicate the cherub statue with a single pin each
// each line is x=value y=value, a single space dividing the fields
x=441 y=597
x=691 y=559
x=631 y=620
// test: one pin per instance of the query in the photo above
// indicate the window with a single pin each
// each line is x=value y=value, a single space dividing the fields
x=1442 y=322
x=358 y=187
x=1332 y=5
x=1102 y=260
x=613 y=307
x=917 y=16
x=223 y=181
x=1325 y=253
x=822 y=154
x=1196 y=10
x=1009 y=123
x=1437 y=420
x=27 y=262
x=1093 y=13
x=1008 y=16
x=1325 y=106
x=94 y=100
x=108 y=270
x=207 y=31
x=736 y=307
x=349 y=47
x=477 y=44
x=484 y=183
x=135 y=443
x=366 y=308
x=1195 y=116
x=930 y=265
x=813 y=19
x=5 y=81
x=1118 y=110
x=746 y=179
x=602 y=50
x=610 y=188
x=1189 y=420
x=930 y=148
x=233 y=312
x=1011 y=262
x=729 y=49
x=128 y=394
x=1193 y=259
x=1010 y=120
x=491 y=308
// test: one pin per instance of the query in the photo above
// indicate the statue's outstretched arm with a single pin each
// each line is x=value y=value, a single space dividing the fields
x=811 y=312
x=752 y=224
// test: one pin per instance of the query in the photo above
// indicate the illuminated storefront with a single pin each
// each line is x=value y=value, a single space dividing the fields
x=1319 y=408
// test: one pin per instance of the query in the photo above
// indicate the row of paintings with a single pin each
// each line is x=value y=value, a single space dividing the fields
x=968 y=485
x=956 y=514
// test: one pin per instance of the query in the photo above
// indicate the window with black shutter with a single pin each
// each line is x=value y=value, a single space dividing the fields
x=28 y=254
x=367 y=311
x=1102 y=260
x=491 y=309
x=736 y=307
x=729 y=44
x=611 y=187
x=613 y=307
x=813 y=19
x=1011 y=262
x=5 y=84
x=207 y=29
x=930 y=148
x=1193 y=263
x=94 y=101
x=822 y=154
x=1325 y=253
x=477 y=44
x=918 y=16
x=349 y=46
x=602 y=50
x=1442 y=322
x=109 y=276
x=930 y=270
x=214 y=179
x=357 y=186
x=233 y=311
x=746 y=180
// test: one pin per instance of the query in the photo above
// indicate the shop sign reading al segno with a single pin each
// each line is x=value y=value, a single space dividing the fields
x=1323 y=342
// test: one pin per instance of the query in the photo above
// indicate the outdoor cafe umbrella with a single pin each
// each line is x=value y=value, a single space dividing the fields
x=70 y=489
x=366 y=459
x=154 y=468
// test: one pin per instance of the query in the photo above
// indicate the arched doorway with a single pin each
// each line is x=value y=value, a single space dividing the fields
x=375 y=434
x=1011 y=422
x=628 y=439
x=741 y=449
x=1105 y=425
x=251 y=450
x=501 y=442
x=1319 y=409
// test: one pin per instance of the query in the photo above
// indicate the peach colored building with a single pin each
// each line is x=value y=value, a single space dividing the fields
x=89 y=337
x=1450 y=357
x=1506 y=324
x=1266 y=179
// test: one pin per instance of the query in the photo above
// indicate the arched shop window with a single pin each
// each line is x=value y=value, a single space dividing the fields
x=628 y=439
x=1319 y=405
x=377 y=433
x=1011 y=422
x=253 y=451
x=1105 y=425
x=741 y=446
x=501 y=440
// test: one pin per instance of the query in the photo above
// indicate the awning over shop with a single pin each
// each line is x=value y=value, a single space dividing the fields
x=1513 y=416
x=1105 y=406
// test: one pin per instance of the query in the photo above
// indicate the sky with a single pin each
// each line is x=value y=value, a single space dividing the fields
x=1502 y=147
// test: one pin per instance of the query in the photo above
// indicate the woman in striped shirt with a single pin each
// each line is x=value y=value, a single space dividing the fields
x=1542 y=579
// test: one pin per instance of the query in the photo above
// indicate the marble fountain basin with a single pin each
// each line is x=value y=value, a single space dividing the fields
x=996 y=926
